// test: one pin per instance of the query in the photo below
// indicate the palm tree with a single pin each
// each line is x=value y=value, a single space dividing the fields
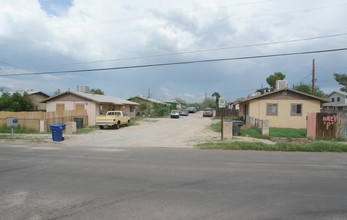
x=216 y=94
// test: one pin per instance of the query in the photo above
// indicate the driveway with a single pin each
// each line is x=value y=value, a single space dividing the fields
x=159 y=132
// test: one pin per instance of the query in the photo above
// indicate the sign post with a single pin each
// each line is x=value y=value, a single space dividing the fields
x=221 y=105
x=11 y=122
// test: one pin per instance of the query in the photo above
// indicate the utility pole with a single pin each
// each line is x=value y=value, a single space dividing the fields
x=205 y=100
x=313 y=77
x=149 y=93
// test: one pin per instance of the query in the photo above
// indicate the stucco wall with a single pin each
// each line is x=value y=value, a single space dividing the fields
x=71 y=105
x=284 y=119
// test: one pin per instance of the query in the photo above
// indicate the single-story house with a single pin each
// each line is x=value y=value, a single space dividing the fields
x=284 y=108
x=95 y=105
x=338 y=101
x=146 y=105
x=37 y=98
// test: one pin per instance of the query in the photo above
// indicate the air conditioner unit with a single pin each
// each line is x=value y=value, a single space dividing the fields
x=84 y=89
x=281 y=84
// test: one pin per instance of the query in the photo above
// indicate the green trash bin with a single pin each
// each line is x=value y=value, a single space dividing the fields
x=79 y=122
x=236 y=127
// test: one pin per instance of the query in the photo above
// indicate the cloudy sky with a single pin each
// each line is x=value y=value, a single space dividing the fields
x=39 y=36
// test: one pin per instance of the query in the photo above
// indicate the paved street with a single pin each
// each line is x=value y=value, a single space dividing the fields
x=60 y=182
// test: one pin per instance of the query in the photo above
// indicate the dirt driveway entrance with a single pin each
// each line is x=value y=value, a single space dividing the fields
x=164 y=132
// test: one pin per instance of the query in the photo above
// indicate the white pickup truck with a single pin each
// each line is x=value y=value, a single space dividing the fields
x=112 y=119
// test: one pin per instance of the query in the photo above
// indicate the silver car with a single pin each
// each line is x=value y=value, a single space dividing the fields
x=174 y=114
x=208 y=112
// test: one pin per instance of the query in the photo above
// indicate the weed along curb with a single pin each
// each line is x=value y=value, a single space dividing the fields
x=314 y=146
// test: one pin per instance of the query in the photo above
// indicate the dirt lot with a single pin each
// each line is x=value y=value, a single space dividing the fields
x=164 y=132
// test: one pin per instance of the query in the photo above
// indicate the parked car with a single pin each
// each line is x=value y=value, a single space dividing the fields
x=191 y=109
x=174 y=114
x=208 y=112
x=184 y=112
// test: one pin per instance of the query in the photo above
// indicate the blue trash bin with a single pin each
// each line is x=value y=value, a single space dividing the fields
x=57 y=131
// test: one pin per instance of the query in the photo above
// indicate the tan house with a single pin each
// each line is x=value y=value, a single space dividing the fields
x=95 y=105
x=37 y=98
x=284 y=108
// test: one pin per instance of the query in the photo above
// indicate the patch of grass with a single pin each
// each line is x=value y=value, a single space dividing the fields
x=18 y=130
x=135 y=121
x=338 y=139
x=31 y=139
x=86 y=130
x=274 y=132
x=288 y=132
x=253 y=132
x=256 y=146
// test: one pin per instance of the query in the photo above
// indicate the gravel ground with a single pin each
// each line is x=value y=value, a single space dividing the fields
x=184 y=132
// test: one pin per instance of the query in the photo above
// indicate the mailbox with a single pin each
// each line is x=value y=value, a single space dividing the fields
x=11 y=122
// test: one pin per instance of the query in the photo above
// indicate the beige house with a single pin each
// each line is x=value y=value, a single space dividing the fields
x=95 y=105
x=37 y=98
x=284 y=108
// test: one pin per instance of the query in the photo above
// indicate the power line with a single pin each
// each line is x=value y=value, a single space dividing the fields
x=179 y=63
x=188 y=52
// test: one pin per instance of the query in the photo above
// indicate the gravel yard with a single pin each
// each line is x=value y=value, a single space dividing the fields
x=185 y=132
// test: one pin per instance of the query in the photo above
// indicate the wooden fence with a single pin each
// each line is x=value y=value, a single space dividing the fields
x=33 y=120
x=228 y=113
x=331 y=125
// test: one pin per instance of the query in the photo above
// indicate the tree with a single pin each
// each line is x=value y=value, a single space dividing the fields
x=97 y=91
x=180 y=101
x=216 y=94
x=209 y=103
x=342 y=80
x=15 y=102
x=271 y=80
x=306 y=88
x=263 y=90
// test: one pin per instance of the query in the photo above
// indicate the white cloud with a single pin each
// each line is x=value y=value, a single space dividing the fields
x=91 y=30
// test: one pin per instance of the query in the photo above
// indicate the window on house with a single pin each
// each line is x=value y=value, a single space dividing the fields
x=296 y=109
x=332 y=99
x=101 y=111
x=60 y=107
x=79 y=107
x=132 y=108
x=271 y=109
x=338 y=99
x=340 y=108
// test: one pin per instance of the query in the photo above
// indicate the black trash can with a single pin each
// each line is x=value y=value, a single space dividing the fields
x=236 y=127
x=79 y=122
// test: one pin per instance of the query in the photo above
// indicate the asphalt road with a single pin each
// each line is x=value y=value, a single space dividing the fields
x=68 y=182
